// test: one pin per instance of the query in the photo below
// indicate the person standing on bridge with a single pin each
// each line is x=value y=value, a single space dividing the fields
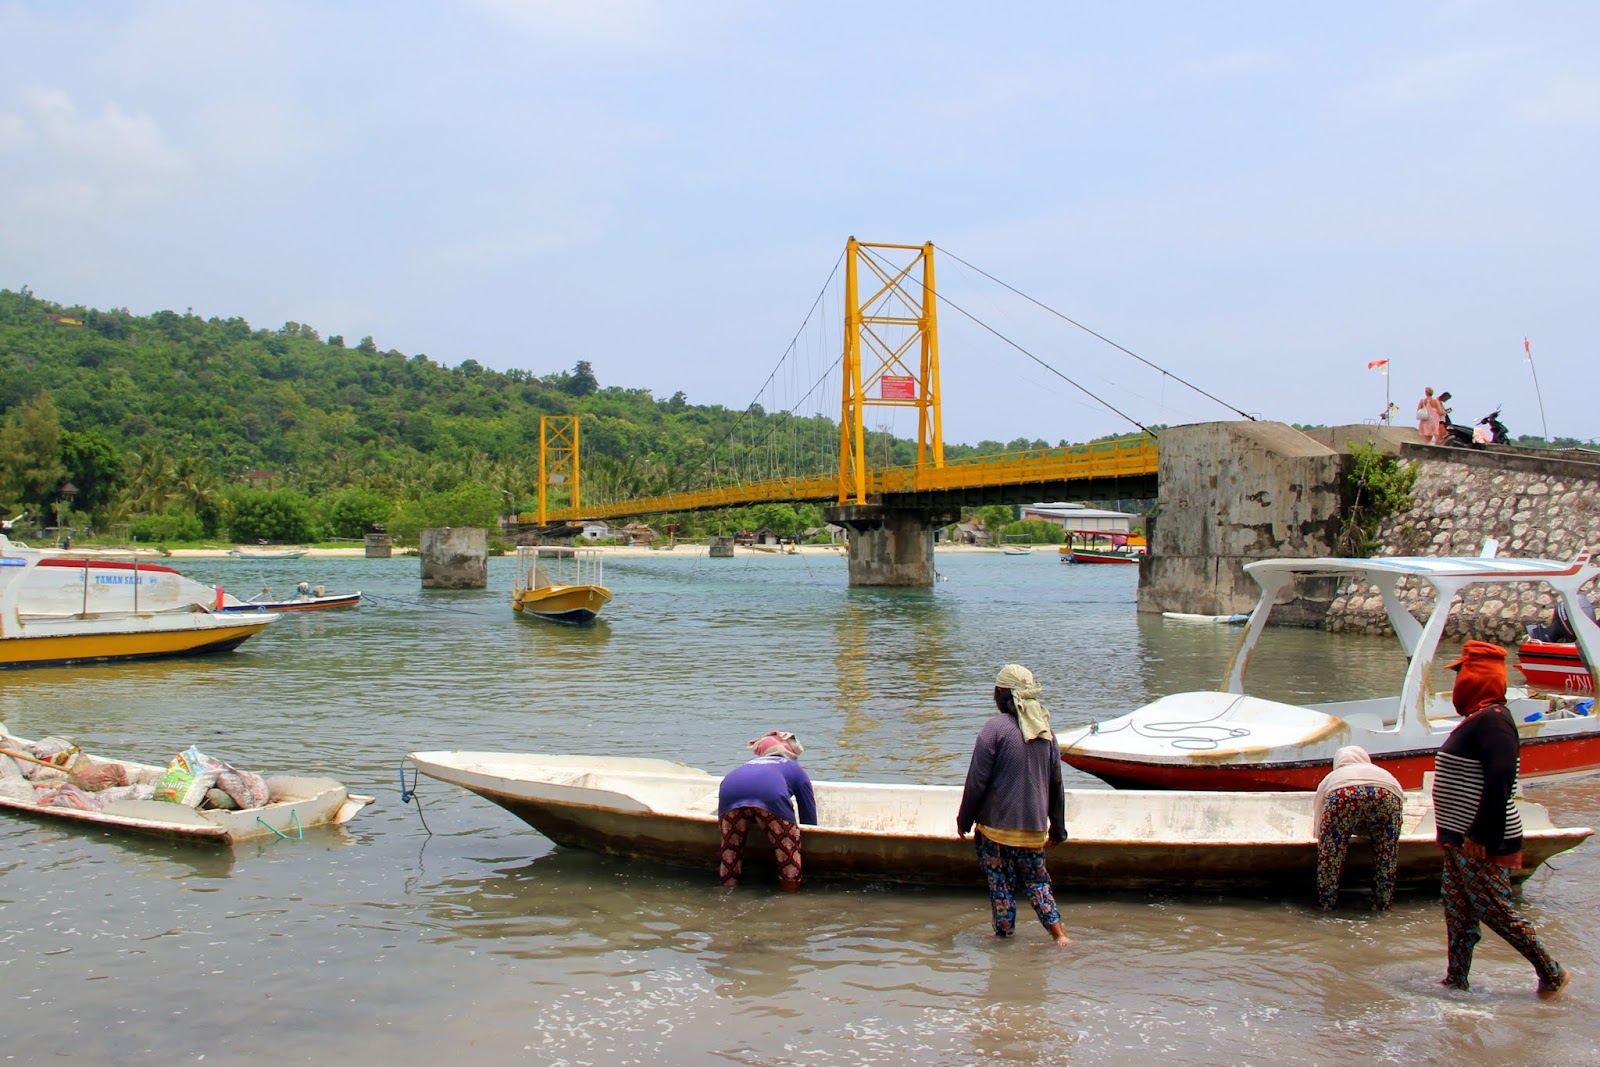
x=1013 y=802
x=1430 y=417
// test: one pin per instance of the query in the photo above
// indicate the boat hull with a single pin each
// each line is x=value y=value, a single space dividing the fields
x=1269 y=848
x=53 y=643
x=1553 y=667
x=1081 y=556
x=565 y=603
x=311 y=603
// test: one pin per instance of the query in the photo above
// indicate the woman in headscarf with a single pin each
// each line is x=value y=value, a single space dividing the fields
x=764 y=790
x=1479 y=828
x=1014 y=804
x=1357 y=796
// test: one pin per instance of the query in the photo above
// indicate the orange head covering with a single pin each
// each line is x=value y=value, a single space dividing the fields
x=1480 y=677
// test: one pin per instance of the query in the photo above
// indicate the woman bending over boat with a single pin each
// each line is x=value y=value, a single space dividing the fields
x=1013 y=802
x=1357 y=796
x=765 y=790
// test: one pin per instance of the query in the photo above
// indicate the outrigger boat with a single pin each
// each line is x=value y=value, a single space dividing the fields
x=1233 y=741
x=58 y=611
x=666 y=812
x=559 y=584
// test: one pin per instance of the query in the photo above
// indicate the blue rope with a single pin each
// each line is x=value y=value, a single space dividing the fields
x=407 y=795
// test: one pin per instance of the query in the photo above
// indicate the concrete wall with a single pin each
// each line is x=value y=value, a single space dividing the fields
x=455 y=558
x=1533 y=505
x=1231 y=492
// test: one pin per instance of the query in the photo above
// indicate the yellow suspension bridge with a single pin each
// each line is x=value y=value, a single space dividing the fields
x=890 y=359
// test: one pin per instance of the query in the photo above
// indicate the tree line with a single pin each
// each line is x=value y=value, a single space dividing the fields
x=172 y=427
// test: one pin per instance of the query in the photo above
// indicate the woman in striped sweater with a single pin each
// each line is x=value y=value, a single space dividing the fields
x=1475 y=809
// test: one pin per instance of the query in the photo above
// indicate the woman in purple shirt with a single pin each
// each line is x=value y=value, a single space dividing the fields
x=765 y=791
x=1014 y=800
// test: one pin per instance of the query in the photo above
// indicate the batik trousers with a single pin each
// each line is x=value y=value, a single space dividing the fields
x=1363 y=809
x=1008 y=869
x=784 y=835
x=1480 y=891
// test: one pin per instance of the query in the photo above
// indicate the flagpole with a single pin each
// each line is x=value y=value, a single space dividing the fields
x=1528 y=349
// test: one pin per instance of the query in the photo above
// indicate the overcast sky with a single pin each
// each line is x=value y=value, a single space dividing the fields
x=1260 y=198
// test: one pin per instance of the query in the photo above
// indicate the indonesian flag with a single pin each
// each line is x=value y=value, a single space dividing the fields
x=1527 y=349
x=1379 y=365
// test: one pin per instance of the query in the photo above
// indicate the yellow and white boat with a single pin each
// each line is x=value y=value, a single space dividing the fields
x=559 y=584
x=41 y=625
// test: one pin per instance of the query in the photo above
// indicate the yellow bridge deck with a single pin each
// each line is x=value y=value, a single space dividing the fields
x=1127 y=458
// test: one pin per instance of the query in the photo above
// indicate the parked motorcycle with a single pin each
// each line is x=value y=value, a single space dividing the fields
x=1491 y=431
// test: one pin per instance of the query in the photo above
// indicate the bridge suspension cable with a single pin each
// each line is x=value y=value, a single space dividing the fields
x=1097 y=336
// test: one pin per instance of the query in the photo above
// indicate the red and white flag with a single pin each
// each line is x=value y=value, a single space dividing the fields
x=1379 y=365
x=1527 y=349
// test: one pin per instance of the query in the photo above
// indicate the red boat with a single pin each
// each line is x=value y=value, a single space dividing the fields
x=1555 y=667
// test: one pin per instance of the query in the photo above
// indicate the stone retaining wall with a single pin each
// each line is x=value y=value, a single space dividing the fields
x=1534 y=506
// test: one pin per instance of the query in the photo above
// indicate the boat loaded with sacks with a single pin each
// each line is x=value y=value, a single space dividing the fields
x=666 y=812
x=193 y=798
x=57 y=609
x=1230 y=740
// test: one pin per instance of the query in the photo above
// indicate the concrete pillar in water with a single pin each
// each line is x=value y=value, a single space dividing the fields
x=890 y=546
x=456 y=557
x=721 y=548
x=379 y=546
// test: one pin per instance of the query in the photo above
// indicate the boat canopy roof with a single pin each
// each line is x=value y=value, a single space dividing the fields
x=1484 y=568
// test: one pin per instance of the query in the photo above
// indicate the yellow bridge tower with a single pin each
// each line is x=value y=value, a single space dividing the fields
x=896 y=323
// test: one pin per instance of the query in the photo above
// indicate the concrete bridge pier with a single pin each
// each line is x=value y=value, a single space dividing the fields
x=891 y=546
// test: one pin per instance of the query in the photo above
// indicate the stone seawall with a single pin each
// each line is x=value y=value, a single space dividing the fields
x=1533 y=506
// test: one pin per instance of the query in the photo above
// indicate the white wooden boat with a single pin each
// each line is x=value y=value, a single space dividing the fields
x=267 y=553
x=298 y=803
x=47 y=628
x=666 y=812
x=1224 y=620
x=559 y=584
x=1231 y=740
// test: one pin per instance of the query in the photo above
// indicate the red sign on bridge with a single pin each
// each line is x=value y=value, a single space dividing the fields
x=897 y=387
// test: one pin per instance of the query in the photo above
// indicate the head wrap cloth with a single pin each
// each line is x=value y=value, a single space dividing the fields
x=777 y=743
x=1032 y=716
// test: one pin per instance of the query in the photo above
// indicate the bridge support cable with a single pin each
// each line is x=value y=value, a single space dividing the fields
x=880 y=331
x=1097 y=336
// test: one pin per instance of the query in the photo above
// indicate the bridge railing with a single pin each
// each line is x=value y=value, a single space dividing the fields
x=1104 y=459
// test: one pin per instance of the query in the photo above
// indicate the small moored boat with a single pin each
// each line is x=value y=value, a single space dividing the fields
x=295 y=803
x=293 y=553
x=666 y=812
x=306 y=598
x=559 y=584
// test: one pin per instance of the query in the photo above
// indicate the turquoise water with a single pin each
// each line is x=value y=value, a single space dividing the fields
x=380 y=940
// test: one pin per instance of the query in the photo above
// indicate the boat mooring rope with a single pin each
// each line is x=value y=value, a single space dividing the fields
x=408 y=795
x=299 y=831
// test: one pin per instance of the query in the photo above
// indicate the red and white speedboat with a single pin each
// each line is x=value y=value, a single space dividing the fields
x=1231 y=740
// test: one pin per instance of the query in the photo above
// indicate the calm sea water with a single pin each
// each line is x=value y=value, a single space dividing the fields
x=381 y=942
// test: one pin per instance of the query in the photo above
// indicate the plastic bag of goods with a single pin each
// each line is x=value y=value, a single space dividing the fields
x=185 y=781
x=247 y=789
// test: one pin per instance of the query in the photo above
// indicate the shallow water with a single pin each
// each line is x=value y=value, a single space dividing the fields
x=481 y=940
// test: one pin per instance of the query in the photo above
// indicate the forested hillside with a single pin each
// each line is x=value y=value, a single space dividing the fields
x=171 y=426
